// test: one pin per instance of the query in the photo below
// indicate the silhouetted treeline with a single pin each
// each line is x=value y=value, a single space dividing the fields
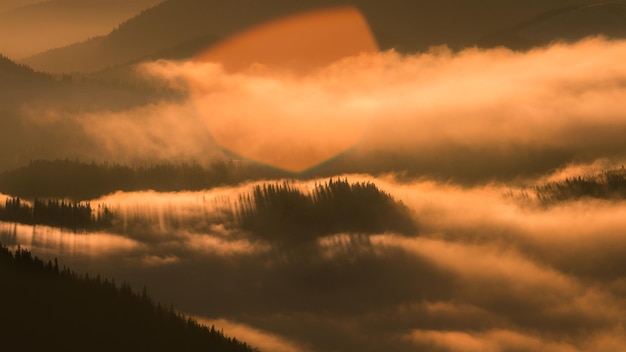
x=58 y=213
x=78 y=180
x=285 y=213
x=610 y=184
x=45 y=308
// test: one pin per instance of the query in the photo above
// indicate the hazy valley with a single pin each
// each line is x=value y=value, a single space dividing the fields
x=314 y=176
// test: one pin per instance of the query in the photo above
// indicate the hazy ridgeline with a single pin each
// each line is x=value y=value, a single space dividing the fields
x=275 y=212
x=77 y=180
x=51 y=307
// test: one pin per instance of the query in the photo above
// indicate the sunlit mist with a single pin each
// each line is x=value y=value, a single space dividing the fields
x=296 y=44
x=52 y=240
x=479 y=256
x=309 y=176
x=473 y=108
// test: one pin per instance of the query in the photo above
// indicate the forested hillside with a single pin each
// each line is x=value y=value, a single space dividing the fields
x=78 y=180
x=284 y=213
x=610 y=185
x=48 y=308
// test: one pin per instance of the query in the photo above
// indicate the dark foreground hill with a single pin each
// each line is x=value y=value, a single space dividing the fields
x=45 y=308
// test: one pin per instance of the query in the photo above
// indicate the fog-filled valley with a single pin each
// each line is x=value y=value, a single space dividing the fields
x=314 y=176
x=428 y=261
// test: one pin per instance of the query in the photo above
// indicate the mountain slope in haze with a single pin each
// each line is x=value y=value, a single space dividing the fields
x=34 y=28
x=6 y=5
x=39 y=113
x=164 y=26
x=47 y=308
x=568 y=24
x=22 y=86
x=406 y=25
x=19 y=82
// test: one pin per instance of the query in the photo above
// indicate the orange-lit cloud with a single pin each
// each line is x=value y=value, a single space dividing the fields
x=484 y=273
x=300 y=44
x=473 y=115
x=255 y=337
x=472 y=109
x=50 y=240
x=490 y=341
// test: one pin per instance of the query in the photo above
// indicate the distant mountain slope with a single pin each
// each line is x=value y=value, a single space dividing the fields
x=160 y=28
x=78 y=181
x=9 y=67
x=33 y=28
x=19 y=82
x=11 y=4
x=407 y=25
x=34 y=110
x=45 y=308
x=567 y=24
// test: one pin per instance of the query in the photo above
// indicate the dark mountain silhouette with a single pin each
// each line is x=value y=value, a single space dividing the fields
x=44 y=25
x=568 y=24
x=407 y=25
x=48 y=308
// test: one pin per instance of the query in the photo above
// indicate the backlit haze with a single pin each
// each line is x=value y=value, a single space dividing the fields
x=270 y=60
x=461 y=134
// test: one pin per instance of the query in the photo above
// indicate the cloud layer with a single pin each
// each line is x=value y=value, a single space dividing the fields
x=483 y=273
x=473 y=115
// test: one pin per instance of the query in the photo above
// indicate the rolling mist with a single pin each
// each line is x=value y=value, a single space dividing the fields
x=471 y=116
x=465 y=274
x=456 y=189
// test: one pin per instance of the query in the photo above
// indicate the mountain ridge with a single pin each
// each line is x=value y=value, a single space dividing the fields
x=36 y=27
x=567 y=24
x=407 y=26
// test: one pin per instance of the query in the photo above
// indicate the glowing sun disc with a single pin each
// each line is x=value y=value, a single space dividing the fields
x=299 y=42
x=293 y=139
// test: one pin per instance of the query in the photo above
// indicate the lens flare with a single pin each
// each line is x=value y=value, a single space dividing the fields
x=294 y=47
x=299 y=42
